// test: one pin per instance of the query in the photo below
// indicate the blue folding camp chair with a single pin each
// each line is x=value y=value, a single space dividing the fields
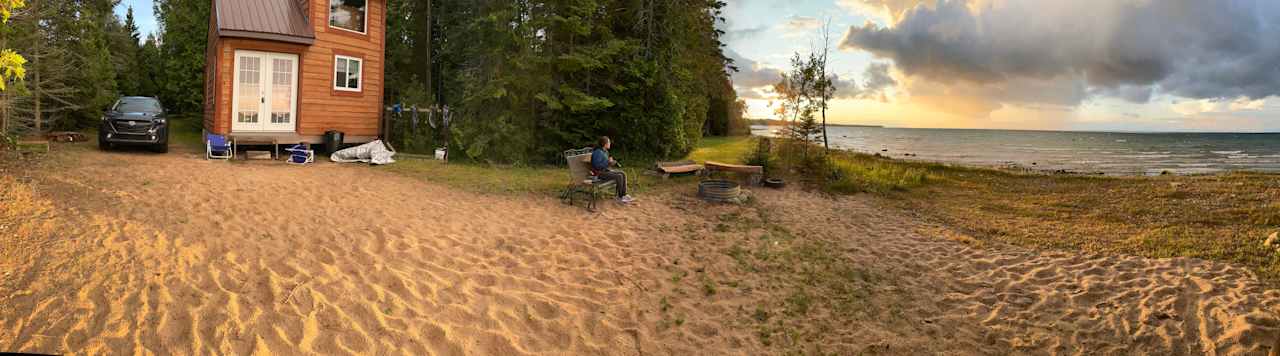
x=217 y=147
x=301 y=154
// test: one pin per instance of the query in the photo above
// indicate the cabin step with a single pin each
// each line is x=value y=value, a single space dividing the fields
x=259 y=155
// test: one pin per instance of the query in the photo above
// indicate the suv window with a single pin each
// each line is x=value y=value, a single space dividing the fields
x=138 y=105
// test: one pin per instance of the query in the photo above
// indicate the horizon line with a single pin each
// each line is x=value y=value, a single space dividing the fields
x=874 y=126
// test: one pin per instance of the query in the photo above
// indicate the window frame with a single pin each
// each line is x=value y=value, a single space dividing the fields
x=329 y=19
x=360 y=74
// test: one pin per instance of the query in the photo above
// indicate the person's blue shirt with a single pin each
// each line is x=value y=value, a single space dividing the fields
x=599 y=160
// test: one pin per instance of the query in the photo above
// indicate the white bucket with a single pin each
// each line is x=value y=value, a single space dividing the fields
x=441 y=153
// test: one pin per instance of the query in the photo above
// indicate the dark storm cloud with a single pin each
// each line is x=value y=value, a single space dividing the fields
x=1118 y=48
x=875 y=81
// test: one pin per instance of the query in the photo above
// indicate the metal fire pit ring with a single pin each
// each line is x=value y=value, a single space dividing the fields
x=719 y=191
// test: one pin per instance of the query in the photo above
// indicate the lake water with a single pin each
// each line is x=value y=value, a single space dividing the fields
x=1111 y=153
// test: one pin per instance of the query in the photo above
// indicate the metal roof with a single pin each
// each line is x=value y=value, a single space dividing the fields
x=276 y=20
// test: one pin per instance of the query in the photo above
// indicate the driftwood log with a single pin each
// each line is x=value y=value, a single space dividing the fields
x=66 y=136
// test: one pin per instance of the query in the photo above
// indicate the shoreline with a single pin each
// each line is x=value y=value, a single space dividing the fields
x=1048 y=169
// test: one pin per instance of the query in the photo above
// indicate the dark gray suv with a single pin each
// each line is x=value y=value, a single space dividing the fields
x=135 y=121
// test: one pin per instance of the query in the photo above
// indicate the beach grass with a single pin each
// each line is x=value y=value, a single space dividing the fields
x=1223 y=217
x=858 y=173
x=1220 y=217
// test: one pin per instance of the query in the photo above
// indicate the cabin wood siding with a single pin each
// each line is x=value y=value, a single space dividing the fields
x=211 y=71
x=320 y=107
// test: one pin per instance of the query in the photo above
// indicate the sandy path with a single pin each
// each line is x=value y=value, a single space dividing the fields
x=174 y=255
x=147 y=254
x=1001 y=300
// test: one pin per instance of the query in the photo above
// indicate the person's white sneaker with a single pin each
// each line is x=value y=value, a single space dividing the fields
x=626 y=199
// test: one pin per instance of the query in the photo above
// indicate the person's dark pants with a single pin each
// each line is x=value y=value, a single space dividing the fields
x=616 y=176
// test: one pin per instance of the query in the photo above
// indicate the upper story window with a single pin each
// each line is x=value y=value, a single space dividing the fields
x=346 y=75
x=348 y=15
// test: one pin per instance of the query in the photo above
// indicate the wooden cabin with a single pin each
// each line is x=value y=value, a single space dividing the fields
x=293 y=69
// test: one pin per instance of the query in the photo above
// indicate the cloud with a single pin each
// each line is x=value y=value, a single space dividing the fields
x=751 y=75
x=744 y=33
x=796 y=26
x=876 y=82
x=754 y=80
x=1196 y=107
x=890 y=10
x=1130 y=49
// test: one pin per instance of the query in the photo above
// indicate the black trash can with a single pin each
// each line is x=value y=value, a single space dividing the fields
x=332 y=142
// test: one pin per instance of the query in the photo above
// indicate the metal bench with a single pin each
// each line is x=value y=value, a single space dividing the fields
x=581 y=182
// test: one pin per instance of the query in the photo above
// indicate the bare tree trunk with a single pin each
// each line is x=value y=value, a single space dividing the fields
x=424 y=45
x=4 y=95
x=825 y=145
x=38 y=115
x=827 y=89
x=4 y=113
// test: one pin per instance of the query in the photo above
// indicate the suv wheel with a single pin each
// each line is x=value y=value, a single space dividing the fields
x=160 y=148
x=102 y=143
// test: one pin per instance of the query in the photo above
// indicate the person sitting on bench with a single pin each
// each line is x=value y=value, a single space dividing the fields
x=601 y=165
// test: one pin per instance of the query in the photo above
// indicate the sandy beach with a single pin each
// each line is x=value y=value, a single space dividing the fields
x=134 y=253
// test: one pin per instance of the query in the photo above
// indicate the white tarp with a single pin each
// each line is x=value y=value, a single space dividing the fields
x=374 y=152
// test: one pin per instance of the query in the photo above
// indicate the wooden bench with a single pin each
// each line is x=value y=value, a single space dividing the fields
x=754 y=173
x=666 y=169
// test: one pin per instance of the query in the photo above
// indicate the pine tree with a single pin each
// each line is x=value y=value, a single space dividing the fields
x=94 y=77
x=147 y=71
x=125 y=49
x=184 y=30
x=49 y=95
x=528 y=79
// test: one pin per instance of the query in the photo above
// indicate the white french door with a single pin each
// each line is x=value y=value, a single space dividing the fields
x=265 y=92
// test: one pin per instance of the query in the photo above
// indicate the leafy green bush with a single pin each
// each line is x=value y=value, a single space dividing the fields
x=762 y=156
x=811 y=163
x=7 y=141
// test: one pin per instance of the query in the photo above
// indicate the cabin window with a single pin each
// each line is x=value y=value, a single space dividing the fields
x=347 y=73
x=348 y=15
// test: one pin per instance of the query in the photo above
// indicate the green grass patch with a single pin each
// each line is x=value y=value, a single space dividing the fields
x=186 y=130
x=550 y=179
x=40 y=147
x=723 y=149
x=485 y=179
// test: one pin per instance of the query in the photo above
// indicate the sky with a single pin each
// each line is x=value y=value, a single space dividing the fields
x=143 y=15
x=1092 y=65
